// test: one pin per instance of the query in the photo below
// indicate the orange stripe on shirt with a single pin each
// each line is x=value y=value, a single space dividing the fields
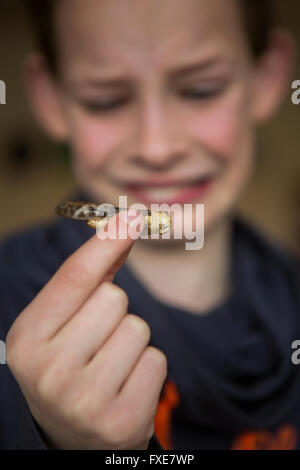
x=284 y=439
x=169 y=401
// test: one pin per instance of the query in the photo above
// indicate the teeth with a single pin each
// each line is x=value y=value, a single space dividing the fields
x=158 y=194
x=163 y=193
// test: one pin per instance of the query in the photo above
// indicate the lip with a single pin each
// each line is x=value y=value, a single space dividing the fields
x=164 y=182
x=193 y=192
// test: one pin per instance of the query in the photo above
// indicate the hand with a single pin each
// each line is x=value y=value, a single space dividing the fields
x=83 y=363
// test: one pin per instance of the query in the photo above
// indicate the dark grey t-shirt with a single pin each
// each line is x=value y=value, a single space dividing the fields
x=231 y=367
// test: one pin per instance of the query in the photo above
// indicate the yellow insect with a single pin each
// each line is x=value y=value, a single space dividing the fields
x=98 y=215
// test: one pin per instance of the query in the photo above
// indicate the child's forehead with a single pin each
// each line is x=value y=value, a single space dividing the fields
x=107 y=28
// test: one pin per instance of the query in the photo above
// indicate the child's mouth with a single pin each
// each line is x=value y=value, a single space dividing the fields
x=183 y=193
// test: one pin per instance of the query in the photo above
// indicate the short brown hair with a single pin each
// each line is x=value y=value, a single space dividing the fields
x=258 y=17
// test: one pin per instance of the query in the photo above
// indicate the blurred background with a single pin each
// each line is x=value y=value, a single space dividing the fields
x=35 y=173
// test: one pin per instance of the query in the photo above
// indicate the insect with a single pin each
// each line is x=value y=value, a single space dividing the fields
x=98 y=215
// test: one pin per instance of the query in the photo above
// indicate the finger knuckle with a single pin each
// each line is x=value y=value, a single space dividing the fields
x=45 y=389
x=52 y=383
x=16 y=353
x=138 y=325
x=157 y=358
x=13 y=358
x=115 y=294
x=79 y=413
x=127 y=425
x=150 y=430
x=11 y=343
x=117 y=429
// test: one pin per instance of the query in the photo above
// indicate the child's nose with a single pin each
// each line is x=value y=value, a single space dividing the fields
x=157 y=142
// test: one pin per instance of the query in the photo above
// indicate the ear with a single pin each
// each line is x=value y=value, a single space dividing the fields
x=273 y=73
x=45 y=98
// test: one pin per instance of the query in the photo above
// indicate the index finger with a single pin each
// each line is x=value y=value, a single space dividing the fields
x=76 y=279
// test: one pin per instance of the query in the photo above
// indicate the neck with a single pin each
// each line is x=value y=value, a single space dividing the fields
x=197 y=281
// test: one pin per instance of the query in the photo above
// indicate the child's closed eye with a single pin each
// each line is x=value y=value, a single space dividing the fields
x=97 y=106
x=191 y=92
x=202 y=92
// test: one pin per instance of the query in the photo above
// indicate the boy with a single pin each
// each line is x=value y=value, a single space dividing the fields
x=158 y=101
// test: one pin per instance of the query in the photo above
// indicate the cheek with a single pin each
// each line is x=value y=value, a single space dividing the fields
x=221 y=129
x=93 y=142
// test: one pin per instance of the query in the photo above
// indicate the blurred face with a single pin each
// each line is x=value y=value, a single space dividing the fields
x=157 y=100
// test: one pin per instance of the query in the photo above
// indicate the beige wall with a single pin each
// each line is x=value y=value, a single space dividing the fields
x=29 y=193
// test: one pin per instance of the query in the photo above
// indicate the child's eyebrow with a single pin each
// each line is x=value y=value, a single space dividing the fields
x=200 y=66
x=106 y=82
x=175 y=73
